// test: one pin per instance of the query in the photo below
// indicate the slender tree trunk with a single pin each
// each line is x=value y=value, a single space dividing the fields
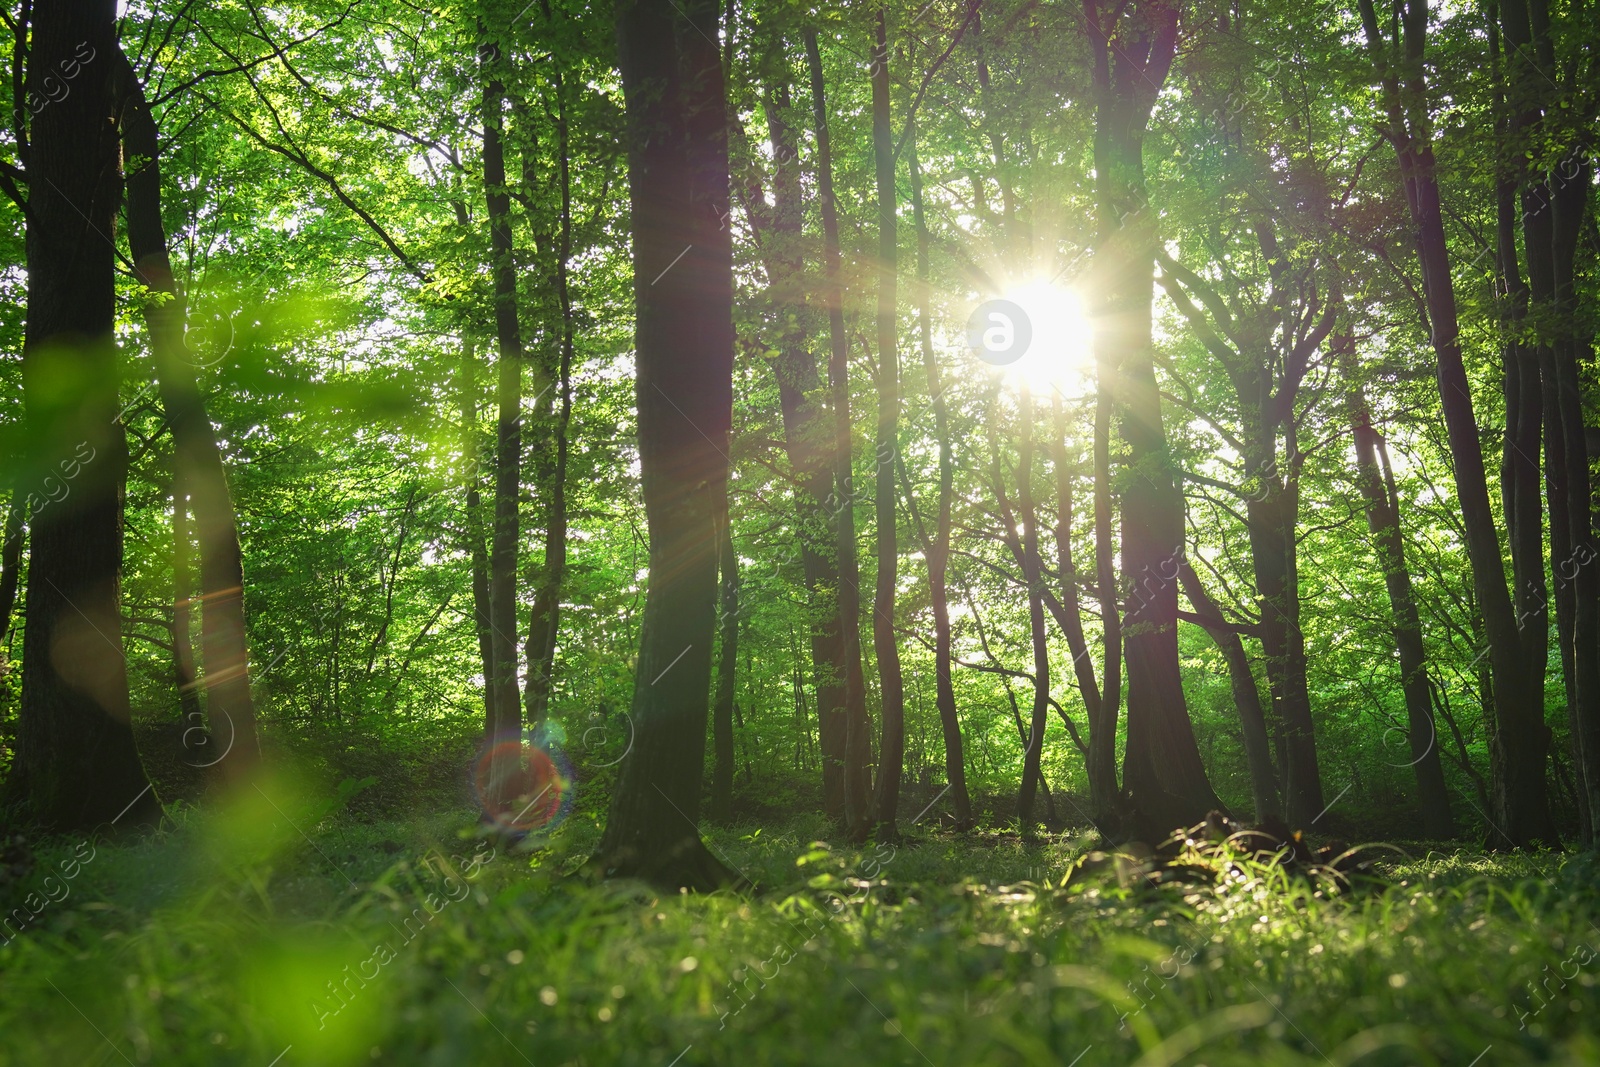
x=1553 y=210
x=544 y=622
x=1104 y=793
x=857 y=777
x=505 y=769
x=683 y=290
x=1246 y=696
x=891 y=754
x=1071 y=610
x=727 y=675
x=1383 y=520
x=1524 y=421
x=11 y=559
x=1033 y=573
x=183 y=669
x=1162 y=771
x=76 y=766
x=937 y=552
x=808 y=439
x=1520 y=738
x=197 y=460
x=477 y=548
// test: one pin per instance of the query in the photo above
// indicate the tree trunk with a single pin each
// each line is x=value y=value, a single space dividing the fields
x=505 y=756
x=1246 y=696
x=544 y=622
x=1383 y=520
x=808 y=437
x=1165 y=779
x=183 y=668
x=1520 y=738
x=1033 y=573
x=11 y=559
x=1524 y=422
x=1071 y=612
x=857 y=777
x=937 y=551
x=76 y=766
x=1553 y=208
x=891 y=754
x=678 y=192
x=727 y=675
x=197 y=460
x=1272 y=521
x=476 y=547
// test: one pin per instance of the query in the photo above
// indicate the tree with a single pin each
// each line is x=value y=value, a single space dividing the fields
x=198 y=472
x=1520 y=739
x=885 y=642
x=76 y=766
x=683 y=294
x=1132 y=50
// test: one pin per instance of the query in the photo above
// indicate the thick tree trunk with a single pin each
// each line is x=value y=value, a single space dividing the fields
x=937 y=551
x=76 y=766
x=858 y=742
x=1246 y=696
x=1383 y=520
x=1165 y=779
x=891 y=686
x=727 y=675
x=1520 y=739
x=197 y=461
x=683 y=291
x=505 y=757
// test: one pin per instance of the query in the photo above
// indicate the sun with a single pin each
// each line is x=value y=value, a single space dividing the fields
x=1060 y=354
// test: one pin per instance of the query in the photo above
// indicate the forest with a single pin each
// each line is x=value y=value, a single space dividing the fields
x=688 y=532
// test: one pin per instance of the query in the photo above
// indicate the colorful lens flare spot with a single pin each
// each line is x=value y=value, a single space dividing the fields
x=523 y=786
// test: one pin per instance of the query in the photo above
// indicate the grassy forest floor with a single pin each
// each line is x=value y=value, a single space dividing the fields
x=288 y=932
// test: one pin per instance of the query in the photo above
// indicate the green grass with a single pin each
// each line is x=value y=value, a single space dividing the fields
x=217 y=941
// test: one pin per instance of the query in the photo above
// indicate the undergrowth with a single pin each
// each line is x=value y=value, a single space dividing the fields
x=285 y=933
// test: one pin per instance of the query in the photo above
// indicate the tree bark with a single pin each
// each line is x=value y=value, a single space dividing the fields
x=1383 y=520
x=891 y=686
x=11 y=559
x=1132 y=51
x=808 y=436
x=197 y=461
x=727 y=675
x=937 y=551
x=1033 y=573
x=1520 y=739
x=1553 y=208
x=183 y=666
x=683 y=290
x=1098 y=762
x=544 y=621
x=76 y=766
x=1246 y=696
x=857 y=776
x=507 y=728
x=477 y=548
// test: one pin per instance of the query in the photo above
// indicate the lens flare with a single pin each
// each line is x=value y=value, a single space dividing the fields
x=523 y=785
